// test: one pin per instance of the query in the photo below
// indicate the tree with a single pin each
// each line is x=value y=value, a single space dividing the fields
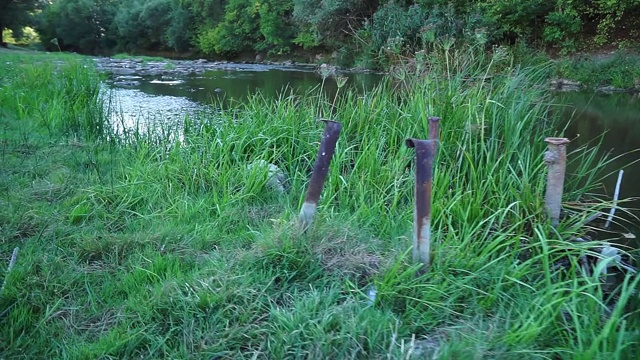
x=330 y=22
x=181 y=30
x=238 y=31
x=142 y=24
x=16 y=14
x=84 y=26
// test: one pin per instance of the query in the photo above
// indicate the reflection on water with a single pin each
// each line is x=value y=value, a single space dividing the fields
x=135 y=111
x=147 y=102
x=221 y=86
x=616 y=118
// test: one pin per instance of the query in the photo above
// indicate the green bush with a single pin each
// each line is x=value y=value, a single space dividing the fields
x=275 y=26
x=518 y=18
x=307 y=37
x=395 y=21
x=562 y=28
x=334 y=21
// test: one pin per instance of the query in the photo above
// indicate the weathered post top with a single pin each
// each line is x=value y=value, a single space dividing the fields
x=557 y=141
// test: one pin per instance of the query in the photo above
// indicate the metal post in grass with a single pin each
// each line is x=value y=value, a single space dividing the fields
x=433 y=129
x=556 y=159
x=425 y=153
x=320 y=171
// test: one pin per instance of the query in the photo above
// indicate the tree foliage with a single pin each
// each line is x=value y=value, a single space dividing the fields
x=178 y=34
x=250 y=25
x=353 y=28
x=330 y=22
x=16 y=14
x=78 y=25
x=143 y=24
x=236 y=31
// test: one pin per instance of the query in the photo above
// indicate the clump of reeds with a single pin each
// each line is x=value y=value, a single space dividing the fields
x=63 y=97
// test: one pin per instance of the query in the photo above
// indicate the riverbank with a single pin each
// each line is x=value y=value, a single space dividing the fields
x=601 y=72
x=610 y=72
x=173 y=245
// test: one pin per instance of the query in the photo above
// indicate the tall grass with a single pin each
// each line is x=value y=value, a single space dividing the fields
x=173 y=246
x=64 y=98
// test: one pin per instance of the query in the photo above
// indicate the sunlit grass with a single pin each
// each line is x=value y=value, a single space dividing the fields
x=169 y=245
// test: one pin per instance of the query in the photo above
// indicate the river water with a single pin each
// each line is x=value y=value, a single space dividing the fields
x=613 y=119
x=148 y=100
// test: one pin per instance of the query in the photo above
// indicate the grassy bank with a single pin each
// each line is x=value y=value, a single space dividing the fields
x=152 y=246
x=620 y=70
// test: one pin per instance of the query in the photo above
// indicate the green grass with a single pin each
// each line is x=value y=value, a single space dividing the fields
x=621 y=70
x=595 y=69
x=149 y=246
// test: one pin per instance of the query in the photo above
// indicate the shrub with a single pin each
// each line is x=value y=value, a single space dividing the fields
x=562 y=28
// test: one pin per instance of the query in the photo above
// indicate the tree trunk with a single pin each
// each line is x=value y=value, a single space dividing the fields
x=2 y=43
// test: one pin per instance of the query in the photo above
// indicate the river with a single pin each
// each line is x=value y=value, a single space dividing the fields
x=153 y=98
x=615 y=119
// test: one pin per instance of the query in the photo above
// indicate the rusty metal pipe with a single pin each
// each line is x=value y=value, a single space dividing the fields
x=556 y=159
x=320 y=171
x=425 y=152
x=434 y=132
x=433 y=128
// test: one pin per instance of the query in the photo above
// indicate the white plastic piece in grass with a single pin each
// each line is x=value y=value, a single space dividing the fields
x=371 y=294
x=611 y=254
x=615 y=199
x=12 y=263
x=612 y=258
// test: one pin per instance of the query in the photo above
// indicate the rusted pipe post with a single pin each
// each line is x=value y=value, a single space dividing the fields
x=433 y=128
x=425 y=151
x=556 y=159
x=320 y=171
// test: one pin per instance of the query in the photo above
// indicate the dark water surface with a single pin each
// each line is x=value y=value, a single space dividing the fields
x=146 y=102
x=163 y=98
x=614 y=118
x=238 y=84
x=147 y=99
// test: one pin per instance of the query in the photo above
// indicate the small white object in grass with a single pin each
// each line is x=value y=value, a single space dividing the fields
x=612 y=257
x=609 y=252
x=371 y=293
x=12 y=263
x=615 y=199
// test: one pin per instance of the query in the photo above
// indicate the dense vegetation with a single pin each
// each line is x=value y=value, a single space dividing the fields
x=363 y=33
x=169 y=245
x=15 y=15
